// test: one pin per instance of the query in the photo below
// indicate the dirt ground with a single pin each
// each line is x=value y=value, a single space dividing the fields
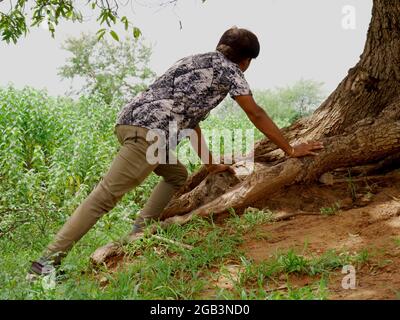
x=367 y=217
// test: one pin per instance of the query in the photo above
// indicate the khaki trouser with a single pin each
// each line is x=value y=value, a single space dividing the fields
x=128 y=169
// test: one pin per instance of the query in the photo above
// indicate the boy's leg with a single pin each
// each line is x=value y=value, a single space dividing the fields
x=174 y=176
x=128 y=169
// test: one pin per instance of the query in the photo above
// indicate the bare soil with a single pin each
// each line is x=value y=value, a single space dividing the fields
x=368 y=218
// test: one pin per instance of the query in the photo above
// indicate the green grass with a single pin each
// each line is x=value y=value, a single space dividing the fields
x=257 y=278
x=250 y=218
x=293 y=263
x=315 y=291
x=169 y=273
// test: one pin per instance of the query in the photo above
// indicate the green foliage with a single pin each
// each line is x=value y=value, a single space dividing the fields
x=16 y=15
x=111 y=70
x=284 y=105
x=53 y=153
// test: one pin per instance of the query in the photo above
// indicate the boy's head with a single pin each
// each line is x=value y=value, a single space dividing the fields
x=239 y=46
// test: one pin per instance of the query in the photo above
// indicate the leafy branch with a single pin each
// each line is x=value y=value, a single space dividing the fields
x=18 y=19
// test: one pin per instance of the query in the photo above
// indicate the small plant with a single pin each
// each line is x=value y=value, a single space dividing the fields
x=254 y=216
x=293 y=263
x=362 y=257
x=249 y=219
x=351 y=187
x=332 y=210
x=232 y=212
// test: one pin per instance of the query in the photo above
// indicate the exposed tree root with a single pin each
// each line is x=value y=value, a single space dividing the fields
x=369 y=143
x=288 y=216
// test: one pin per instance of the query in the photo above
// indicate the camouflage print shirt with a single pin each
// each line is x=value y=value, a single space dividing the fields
x=185 y=93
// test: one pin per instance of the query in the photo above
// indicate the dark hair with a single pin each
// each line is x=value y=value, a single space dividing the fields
x=238 y=44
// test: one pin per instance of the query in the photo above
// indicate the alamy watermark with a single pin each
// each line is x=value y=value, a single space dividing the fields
x=349 y=21
x=349 y=280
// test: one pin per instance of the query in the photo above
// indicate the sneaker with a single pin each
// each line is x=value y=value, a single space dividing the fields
x=137 y=228
x=136 y=233
x=42 y=268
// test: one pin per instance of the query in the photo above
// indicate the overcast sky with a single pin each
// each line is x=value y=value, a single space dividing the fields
x=299 y=39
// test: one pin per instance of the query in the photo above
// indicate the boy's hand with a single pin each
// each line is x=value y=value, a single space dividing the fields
x=306 y=149
x=215 y=168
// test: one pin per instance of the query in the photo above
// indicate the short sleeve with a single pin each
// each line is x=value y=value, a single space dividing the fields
x=239 y=85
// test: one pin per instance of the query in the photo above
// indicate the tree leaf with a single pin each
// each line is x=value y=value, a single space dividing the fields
x=100 y=34
x=136 y=32
x=124 y=20
x=100 y=31
x=114 y=35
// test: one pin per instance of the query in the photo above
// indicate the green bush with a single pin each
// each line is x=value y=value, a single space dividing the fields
x=53 y=152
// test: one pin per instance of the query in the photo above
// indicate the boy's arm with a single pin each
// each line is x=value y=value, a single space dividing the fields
x=263 y=122
x=205 y=154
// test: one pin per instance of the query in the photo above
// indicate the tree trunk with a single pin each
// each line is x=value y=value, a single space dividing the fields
x=359 y=123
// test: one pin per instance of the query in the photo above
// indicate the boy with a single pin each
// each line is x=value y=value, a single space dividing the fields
x=184 y=94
